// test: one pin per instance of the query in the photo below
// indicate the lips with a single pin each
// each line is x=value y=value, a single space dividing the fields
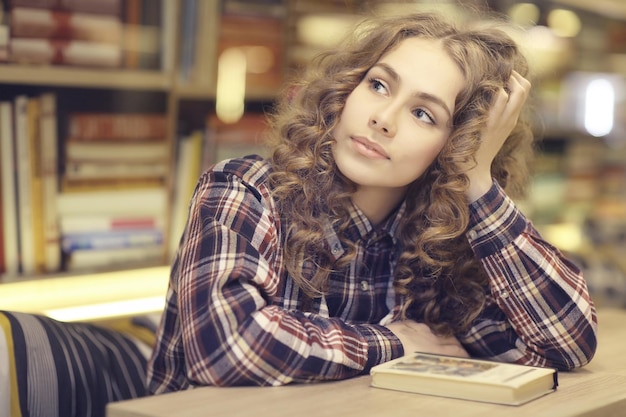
x=368 y=148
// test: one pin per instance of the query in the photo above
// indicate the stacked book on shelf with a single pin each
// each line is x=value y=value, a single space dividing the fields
x=112 y=206
x=28 y=148
x=108 y=205
x=86 y=33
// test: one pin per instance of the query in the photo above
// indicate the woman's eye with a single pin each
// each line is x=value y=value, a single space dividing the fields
x=424 y=115
x=376 y=85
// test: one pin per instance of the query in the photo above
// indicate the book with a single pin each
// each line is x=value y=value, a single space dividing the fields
x=73 y=186
x=276 y=8
x=89 y=259
x=112 y=7
x=187 y=172
x=203 y=63
x=65 y=52
x=117 y=126
x=33 y=116
x=112 y=239
x=27 y=22
x=24 y=184
x=2 y=265
x=76 y=150
x=462 y=378
x=142 y=42
x=169 y=15
x=4 y=42
x=188 y=24
x=110 y=223
x=230 y=140
x=50 y=180
x=111 y=202
x=10 y=234
x=76 y=170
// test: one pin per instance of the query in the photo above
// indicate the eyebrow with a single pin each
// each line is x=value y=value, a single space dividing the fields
x=425 y=96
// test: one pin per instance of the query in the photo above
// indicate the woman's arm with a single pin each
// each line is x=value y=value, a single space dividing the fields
x=539 y=310
x=228 y=269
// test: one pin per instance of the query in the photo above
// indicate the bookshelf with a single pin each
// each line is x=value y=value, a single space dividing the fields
x=185 y=96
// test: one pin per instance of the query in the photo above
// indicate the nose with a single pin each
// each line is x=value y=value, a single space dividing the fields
x=383 y=122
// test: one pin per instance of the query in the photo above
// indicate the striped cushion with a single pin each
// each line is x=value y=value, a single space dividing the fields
x=58 y=369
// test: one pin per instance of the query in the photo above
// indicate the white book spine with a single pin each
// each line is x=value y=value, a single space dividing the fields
x=24 y=183
x=9 y=207
x=50 y=181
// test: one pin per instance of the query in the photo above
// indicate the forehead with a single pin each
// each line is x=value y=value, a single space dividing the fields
x=423 y=64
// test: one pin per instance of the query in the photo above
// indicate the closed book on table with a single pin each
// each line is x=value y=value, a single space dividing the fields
x=462 y=378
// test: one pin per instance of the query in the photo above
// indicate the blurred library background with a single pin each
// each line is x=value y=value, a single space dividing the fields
x=111 y=109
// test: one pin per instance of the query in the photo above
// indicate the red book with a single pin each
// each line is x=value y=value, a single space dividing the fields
x=117 y=126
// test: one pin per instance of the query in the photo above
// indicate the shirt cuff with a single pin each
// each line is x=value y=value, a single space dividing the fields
x=495 y=222
x=383 y=345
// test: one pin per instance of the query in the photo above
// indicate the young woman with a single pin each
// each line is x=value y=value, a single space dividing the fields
x=379 y=226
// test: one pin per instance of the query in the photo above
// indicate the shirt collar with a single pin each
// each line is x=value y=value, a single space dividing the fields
x=362 y=229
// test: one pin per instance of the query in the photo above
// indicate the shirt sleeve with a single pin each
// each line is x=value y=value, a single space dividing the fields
x=539 y=311
x=228 y=270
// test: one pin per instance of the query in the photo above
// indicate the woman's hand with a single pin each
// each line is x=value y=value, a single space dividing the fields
x=503 y=117
x=417 y=337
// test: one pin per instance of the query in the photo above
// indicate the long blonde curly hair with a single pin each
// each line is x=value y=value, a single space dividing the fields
x=436 y=272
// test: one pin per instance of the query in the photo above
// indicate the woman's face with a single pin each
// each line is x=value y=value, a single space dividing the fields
x=399 y=117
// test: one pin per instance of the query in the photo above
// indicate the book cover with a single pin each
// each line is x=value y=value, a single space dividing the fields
x=65 y=52
x=462 y=378
x=27 y=22
x=117 y=126
x=8 y=174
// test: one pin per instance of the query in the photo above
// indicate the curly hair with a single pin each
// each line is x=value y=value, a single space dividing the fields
x=442 y=283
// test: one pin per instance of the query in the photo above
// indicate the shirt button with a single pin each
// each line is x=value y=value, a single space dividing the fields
x=472 y=234
x=364 y=285
x=336 y=249
x=504 y=294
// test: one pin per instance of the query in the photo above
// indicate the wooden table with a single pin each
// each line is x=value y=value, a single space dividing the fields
x=598 y=389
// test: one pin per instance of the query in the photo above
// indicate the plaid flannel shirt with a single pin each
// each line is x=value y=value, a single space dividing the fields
x=235 y=317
